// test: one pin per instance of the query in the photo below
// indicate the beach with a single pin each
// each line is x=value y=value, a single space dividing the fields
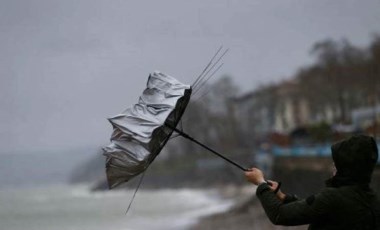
x=245 y=214
x=65 y=207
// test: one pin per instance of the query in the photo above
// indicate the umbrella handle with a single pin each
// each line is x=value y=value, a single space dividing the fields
x=206 y=147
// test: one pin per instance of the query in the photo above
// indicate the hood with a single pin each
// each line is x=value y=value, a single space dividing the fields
x=355 y=158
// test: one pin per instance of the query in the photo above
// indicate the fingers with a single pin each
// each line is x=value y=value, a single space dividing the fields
x=251 y=173
x=255 y=176
x=252 y=170
x=272 y=182
x=248 y=172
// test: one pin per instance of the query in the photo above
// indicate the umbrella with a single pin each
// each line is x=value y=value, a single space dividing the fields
x=141 y=131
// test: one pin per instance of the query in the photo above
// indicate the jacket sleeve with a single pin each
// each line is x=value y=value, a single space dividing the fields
x=298 y=212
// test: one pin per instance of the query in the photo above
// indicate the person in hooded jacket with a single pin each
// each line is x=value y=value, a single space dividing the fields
x=347 y=202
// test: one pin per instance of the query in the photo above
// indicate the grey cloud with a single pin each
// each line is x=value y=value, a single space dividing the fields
x=63 y=62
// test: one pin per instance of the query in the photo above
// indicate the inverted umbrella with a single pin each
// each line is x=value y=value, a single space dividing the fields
x=141 y=131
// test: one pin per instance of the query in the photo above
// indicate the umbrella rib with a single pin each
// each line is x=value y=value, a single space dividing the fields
x=208 y=70
x=206 y=91
x=134 y=194
x=211 y=68
x=208 y=78
x=208 y=65
x=202 y=96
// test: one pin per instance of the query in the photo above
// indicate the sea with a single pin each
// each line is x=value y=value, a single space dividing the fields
x=68 y=207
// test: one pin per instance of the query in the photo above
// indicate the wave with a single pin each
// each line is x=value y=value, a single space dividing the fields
x=152 y=209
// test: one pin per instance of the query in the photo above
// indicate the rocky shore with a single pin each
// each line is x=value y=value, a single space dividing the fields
x=246 y=214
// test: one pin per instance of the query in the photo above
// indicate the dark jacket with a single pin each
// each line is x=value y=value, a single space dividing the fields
x=346 y=207
x=347 y=202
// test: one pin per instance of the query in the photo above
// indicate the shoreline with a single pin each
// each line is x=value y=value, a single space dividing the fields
x=245 y=214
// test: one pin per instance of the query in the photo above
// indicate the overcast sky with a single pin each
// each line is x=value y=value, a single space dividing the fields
x=67 y=65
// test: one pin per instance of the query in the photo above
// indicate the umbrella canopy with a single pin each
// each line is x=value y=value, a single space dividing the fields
x=141 y=131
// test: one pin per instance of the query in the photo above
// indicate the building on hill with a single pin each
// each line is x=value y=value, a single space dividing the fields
x=284 y=109
x=292 y=110
x=366 y=116
x=270 y=109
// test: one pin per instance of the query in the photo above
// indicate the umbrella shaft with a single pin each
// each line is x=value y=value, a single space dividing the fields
x=206 y=147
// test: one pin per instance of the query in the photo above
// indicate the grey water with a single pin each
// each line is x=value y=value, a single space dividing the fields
x=67 y=207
